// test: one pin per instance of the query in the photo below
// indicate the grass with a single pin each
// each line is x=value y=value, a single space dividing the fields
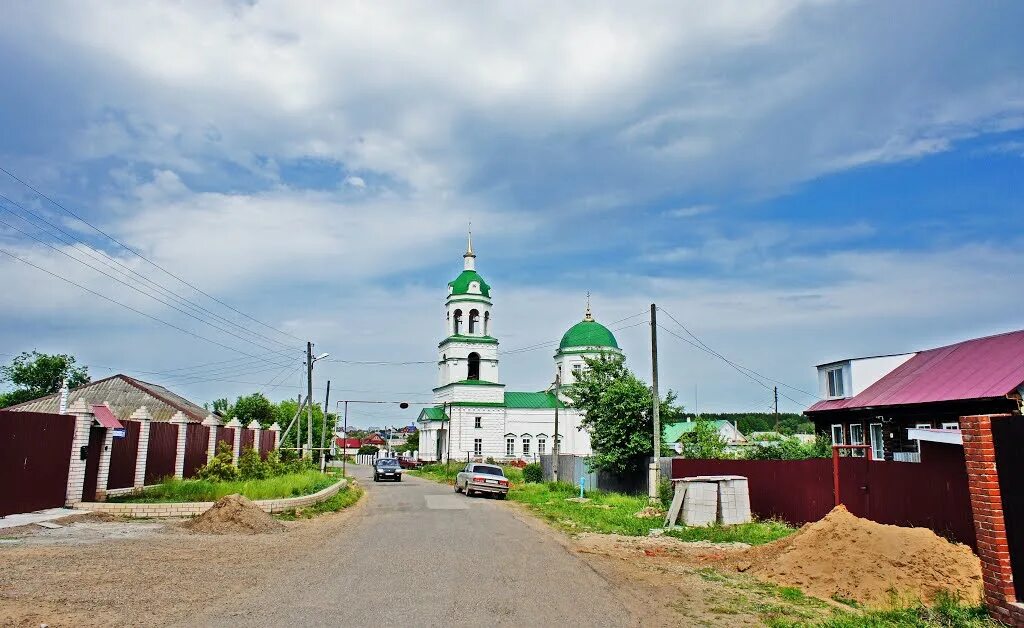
x=948 y=611
x=753 y=533
x=176 y=490
x=605 y=513
x=340 y=501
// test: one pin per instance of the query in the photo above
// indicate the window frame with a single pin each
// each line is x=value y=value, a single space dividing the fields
x=526 y=445
x=478 y=446
x=877 y=449
x=542 y=442
x=510 y=446
x=951 y=425
x=857 y=453
x=478 y=422
x=842 y=434
x=835 y=386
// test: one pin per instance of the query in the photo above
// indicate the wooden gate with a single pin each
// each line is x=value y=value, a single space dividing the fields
x=1007 y=435
x=35 y=455
x=92 y=463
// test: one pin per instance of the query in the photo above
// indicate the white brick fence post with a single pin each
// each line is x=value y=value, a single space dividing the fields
x=144 y=418
x=276 y=429
x=76 y=470
x=255 y=426
x=236 y=425
x=103 y=473
x=213 y=423
x=181 y=421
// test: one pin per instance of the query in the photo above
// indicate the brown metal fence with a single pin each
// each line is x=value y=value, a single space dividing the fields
x=225 y=435
x=1007 y=435
x=124 y=453
x=35 y=454
x=163 y=445
x=247 y=439
x=266 y=443
x=197 y=440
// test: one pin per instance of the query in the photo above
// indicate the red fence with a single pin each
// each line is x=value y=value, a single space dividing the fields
x=266 y=443
x=35 y=454
x=247 y=439
x=123 y=456
x=225 y=435
x=163 y=445
x=931 y=494
x=197 y=442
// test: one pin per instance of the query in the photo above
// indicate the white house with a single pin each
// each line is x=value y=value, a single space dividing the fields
x=474 y=415
x=848 y=378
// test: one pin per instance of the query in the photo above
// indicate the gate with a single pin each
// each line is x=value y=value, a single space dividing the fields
x=92 y=462
x=1007 y=434
x=35 y=455
x=123 y=456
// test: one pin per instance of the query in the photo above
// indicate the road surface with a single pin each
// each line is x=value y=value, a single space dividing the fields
x=419 y=554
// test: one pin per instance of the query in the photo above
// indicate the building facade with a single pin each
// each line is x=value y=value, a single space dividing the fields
x=474 y=416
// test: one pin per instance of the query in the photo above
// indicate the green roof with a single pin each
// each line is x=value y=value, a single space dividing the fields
x=588 y=333
x=486 y=340
x=433 y=413
x=471 y=382
x=532 y=400
x=672 y=433
x=461 y=283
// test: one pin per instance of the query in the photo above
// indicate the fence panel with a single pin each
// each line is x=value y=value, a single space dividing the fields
x=247 y=439
x=797 y=491
x=266 y=443
x=197 y=440
x=124 y=453
x=225 y=435
x=163 y=445
x=1007 y=435
x=35 y=454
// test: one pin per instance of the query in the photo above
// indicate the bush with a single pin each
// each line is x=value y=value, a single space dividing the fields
x=251 y=466
x=665 y=492
x=221 y=467
x=533 y=473
x=368 y=450
x=789 y=448
x=490 y=460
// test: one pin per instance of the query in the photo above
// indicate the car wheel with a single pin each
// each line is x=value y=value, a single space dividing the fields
x=399 y=479
x=502 y=495
x=457 y=489
x=469 y=493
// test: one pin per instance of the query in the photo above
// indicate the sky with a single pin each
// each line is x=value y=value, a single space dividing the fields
x=794 y=182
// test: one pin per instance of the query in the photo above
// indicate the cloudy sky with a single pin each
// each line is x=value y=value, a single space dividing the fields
x=793 y=181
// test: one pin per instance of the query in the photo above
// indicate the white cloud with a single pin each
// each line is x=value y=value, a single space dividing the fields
x=690 y=211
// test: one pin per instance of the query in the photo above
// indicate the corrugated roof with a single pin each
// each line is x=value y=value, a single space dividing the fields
x=673 y=432
x=531 y=400
x=124 y=395
x=983 y=368
x=433 y=413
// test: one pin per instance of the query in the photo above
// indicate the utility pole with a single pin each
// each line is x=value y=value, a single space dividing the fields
x=323 y=432
x=298 y=426
x=309 y=395
x=344 y=453
x=554 y=447
x=776 y=408
x=652 y=489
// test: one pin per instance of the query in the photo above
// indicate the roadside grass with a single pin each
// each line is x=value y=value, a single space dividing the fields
x=948 y=611
x=342 y=500
x=440 y=472
x=177 y=490
x=605 y=513
x=753 y=533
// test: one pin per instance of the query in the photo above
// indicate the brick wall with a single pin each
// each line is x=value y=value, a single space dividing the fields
x=989 y=523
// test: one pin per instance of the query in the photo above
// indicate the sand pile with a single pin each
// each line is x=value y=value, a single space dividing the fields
x=844 y=556
x=234 y=514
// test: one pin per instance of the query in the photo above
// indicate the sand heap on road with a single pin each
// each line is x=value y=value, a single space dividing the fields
x=844 y=556
x=234 y=514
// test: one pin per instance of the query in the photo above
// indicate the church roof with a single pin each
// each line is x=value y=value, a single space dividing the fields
x=460 y=285
x=531 y=400
x=433 y=413
x=588 y=333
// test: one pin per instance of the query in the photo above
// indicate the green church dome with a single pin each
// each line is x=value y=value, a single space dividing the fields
x=588 y=333
x=460 y=285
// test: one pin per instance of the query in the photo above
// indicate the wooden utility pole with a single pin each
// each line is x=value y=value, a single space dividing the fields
x=309 y=395
x=555 y=448
x=652 y=490
x=298 y=426
x=776 y=408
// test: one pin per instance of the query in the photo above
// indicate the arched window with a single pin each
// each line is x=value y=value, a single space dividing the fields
x=487 y=323
x=474 y=321
x=457 y=322
x=474 y=366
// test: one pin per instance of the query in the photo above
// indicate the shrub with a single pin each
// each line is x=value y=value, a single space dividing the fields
x=251 y=466
x=367 y=450
x=789 y=448
x=532 y=473
x=221 y=467
x=665 y=492
x=490 y=460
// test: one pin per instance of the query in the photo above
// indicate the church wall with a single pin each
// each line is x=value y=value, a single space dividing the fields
x=470 y=393
x=491 y=432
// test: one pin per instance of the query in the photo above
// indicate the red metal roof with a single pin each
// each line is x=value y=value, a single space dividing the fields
x=105 y=417
x=347 y=443
x=982 y=368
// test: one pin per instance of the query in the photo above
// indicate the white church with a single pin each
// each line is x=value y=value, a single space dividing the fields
x=474 y=416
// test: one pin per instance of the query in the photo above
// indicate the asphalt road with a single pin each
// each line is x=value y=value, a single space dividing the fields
x=418 y=554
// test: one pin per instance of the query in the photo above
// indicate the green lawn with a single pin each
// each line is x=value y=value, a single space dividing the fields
x=753 y=533
x=175 y=490
x=341 y=500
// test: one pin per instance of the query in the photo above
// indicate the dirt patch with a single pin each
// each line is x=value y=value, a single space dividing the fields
x=90 y=517
x=845 y=557
x=234 y=514
x=649 y=512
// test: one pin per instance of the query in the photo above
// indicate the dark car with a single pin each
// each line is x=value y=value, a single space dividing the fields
x=409 y=463
x=387 y=469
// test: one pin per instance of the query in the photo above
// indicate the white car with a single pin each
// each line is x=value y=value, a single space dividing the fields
x=482 y=478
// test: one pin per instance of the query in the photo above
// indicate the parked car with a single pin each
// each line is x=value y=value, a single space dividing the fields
x=482 y=478
x=409 y=463
x=387 y=469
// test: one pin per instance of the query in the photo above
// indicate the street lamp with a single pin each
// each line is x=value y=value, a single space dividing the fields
x=401 y=404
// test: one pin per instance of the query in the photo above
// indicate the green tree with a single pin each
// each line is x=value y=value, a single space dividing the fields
x=789 y=448
x=254 y=407
x=617 y=412
x=221 y=406
x=38 y=374
x=285 y=410
x=703 y=442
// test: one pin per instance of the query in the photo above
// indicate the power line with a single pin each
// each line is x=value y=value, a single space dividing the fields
x=140 y=255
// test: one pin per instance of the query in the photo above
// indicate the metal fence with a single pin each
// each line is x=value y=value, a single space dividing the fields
x=197 y=442
x=35 y=454
x=124 y=453
x=163 y=447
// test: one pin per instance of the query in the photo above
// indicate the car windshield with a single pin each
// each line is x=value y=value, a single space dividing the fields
x=387 y=463
x=489 y=470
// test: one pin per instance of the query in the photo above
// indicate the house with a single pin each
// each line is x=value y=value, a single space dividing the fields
x=124 y=395
x=921 y=396
x=374 y=440
x=347 y=446
x=673 y=433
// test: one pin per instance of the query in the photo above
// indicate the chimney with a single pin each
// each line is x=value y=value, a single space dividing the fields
x=63 y=407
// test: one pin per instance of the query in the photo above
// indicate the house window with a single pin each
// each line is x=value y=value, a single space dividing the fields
x=857 y=438
x=526 y=445
x=478 y=446
x=476 y=422
x=510 y=446
x=835 y=382
x=923 y=426
x=951 y=426
x=542 y=445
x=576 y=370
x=837 y=435
x=877 y=449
